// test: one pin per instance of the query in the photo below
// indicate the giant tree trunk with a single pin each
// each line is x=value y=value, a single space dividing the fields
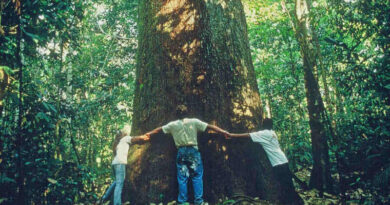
x=320 y=176
x=196 y=52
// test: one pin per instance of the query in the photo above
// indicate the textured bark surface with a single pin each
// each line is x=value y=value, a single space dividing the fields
x=196 y=53
x=320 y=176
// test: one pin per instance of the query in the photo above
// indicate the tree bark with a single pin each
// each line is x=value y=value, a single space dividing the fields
x=320 y=176
x=196 y=53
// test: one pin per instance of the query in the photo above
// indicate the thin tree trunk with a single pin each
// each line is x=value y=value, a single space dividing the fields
x=323 y=73
x=197 y=53
x=20 y=137
x=4 y=81
x=338 y=102
x=75 y=148
x=268 y=101
x=320 y=176
x=58 y=132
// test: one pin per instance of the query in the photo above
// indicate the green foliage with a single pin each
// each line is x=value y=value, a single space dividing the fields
x=68 y=186
x=354 y=40
x=77 y=88
x=280 y=78
x=362 y=97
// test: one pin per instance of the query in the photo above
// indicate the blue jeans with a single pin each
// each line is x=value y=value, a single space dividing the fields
x=189 y=165
x=117 y=185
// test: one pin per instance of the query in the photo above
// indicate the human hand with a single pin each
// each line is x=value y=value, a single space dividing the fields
x=226 y=134
x=146 y=137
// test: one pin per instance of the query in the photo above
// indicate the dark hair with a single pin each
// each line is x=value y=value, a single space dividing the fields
x=267 y=124
x=181 y=111
x=119 y=135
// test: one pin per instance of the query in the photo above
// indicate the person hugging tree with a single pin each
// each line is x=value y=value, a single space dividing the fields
x=267 y=138
x=121 y=147
x=188 y=160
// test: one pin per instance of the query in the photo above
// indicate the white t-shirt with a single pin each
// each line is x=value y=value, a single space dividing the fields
x=269 y=141
x=185 y=131
x=122 y=150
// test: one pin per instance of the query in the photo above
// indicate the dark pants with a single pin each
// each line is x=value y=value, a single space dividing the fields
x=284 y=176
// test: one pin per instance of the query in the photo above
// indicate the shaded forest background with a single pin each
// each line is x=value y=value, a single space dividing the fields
x=67 y=72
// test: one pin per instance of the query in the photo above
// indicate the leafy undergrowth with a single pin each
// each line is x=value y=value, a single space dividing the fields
x=309 y=197
x=352 y=196
x=313 y=196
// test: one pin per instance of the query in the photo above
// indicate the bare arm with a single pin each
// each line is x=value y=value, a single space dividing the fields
x=155 y=131
x=146 y=137
x=239 y=135
x=140 y=139
x=218 y=130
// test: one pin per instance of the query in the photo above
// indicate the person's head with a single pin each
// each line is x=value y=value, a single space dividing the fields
x=181 y=111
x=267 y=124
x=119 y=135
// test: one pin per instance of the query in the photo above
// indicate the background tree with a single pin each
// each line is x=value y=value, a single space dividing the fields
x=320 y=176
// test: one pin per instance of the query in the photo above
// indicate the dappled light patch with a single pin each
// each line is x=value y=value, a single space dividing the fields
x=136 y=156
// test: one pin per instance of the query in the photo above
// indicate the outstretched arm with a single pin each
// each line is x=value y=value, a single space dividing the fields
x=145 y=137
x=155 y=131
x=239 y=135
x=218 y=130
x=140 y=139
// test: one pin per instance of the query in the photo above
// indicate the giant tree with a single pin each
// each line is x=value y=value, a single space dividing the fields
x=197 y=53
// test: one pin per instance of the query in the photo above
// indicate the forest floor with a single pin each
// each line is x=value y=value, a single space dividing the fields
x=310 y=197
x=313 y=196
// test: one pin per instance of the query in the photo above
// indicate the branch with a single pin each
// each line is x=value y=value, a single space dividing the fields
x=337 y=43
x=283 y=3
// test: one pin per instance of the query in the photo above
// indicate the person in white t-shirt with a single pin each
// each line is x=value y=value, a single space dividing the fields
x=121 y=147
x=188 y=160
x=267 y=138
